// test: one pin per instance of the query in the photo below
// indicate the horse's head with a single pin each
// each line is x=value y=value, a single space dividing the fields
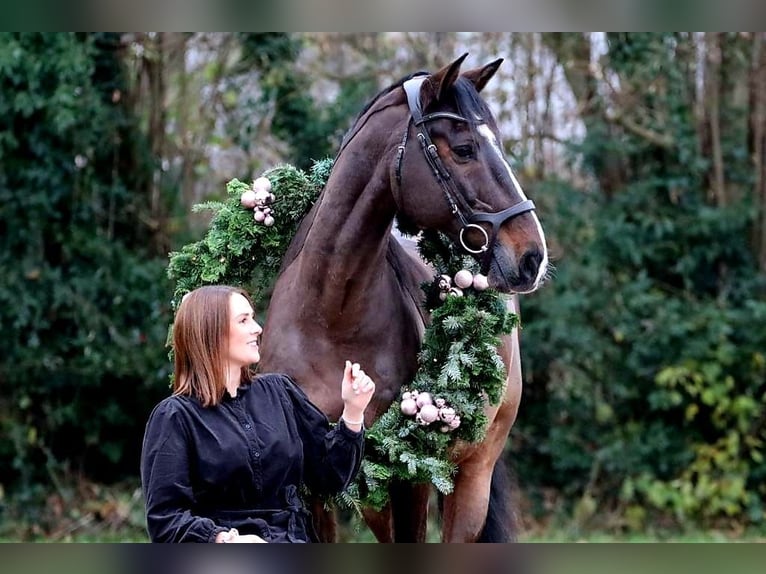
x=452 y=176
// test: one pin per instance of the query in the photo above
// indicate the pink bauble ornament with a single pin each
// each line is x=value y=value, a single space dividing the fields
x=454 y=423
x=446 y=414
x=261 y=196
x=429 y=413
x=463 y=278
x=247 y=199
x=480 y=282
x=408 y=407
x=268 y=221
x=262 y=183
x=424 y=399
x=259 y=216
x=406 y=395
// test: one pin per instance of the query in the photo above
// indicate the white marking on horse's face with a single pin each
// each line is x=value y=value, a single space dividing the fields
x=494 y=145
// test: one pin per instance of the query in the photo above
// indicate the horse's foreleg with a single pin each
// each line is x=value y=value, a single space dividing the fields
x=404 y=518
x=409 y=503
x=323 y=521
x=380 y=523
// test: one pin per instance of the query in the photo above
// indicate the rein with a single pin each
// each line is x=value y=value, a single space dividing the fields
x=458 y=205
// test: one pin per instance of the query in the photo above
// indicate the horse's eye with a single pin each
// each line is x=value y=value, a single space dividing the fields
x=464 y=151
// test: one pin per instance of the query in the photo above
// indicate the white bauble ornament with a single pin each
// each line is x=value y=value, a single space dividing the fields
x=454 y=423
x=408 y=407
x=268 y=221
x=480 y=282
x=406 y=395
x=247 y=199
x=446 y=414
x=261 y=196
x=429 y=413
x=259 y=216
x=440 y=403
x=456 y=291
x=262 y=183
x=424 y=399
x=463 y=278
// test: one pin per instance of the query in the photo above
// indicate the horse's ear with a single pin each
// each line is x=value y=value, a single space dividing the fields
x=480 y=76
x=436 y=86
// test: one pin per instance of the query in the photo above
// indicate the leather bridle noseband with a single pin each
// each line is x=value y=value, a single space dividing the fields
x=458 y=205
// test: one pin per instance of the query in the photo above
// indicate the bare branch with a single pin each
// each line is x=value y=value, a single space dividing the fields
x=658 y=139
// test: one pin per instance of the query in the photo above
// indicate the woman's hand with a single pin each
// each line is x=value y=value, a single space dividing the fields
x=356 y=391
x=233 y=536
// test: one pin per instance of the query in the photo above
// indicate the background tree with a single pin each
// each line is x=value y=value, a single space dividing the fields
x=645 y=354
x=83 y=307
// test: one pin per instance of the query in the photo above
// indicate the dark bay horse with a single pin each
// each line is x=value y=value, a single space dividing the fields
x=426 y=152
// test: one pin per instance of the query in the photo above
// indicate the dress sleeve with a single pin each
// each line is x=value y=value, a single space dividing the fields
x=166 y=481
x=332 y=456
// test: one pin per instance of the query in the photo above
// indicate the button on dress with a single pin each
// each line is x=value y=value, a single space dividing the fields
x=242 y=463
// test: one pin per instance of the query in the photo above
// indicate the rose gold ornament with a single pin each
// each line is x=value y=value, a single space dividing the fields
x=408 y=407
x=429 y=413
x=262 y=183
x=480 y=282
x=247 y=199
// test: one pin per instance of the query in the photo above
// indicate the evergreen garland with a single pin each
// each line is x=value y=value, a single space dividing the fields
x=458 y=361
x=236 y=250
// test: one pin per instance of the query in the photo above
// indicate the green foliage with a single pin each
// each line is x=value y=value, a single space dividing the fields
x=458 y=362
x=645 y=355
x=81 y=307
x=238 y=251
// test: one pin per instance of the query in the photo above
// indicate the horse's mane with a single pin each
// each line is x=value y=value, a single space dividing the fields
x=368 y=106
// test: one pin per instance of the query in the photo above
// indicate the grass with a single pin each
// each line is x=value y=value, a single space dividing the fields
x=95 y=513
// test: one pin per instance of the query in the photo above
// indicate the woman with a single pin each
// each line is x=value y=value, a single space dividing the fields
x=225 y=456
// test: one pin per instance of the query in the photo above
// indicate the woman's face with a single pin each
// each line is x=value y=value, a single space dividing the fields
x=243 y=332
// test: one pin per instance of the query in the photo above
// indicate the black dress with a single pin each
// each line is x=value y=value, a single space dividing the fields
x=241 y=463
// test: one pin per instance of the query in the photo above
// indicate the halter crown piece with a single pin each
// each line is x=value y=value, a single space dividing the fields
x=458 y=205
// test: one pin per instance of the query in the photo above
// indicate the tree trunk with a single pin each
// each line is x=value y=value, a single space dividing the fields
x=716 y=180
x=573 y=52
x=757 y=143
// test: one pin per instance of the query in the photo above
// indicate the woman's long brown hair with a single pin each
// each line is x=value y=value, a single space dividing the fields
x=200 y=343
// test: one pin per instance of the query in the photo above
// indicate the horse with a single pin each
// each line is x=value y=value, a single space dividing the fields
x=425 y=153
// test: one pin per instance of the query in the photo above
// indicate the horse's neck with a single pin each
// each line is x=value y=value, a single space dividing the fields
x=344 y=250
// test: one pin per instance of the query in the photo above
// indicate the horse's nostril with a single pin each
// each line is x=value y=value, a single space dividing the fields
x=530 y=265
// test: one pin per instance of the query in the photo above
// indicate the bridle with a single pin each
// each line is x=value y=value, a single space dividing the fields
x=458 y=205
